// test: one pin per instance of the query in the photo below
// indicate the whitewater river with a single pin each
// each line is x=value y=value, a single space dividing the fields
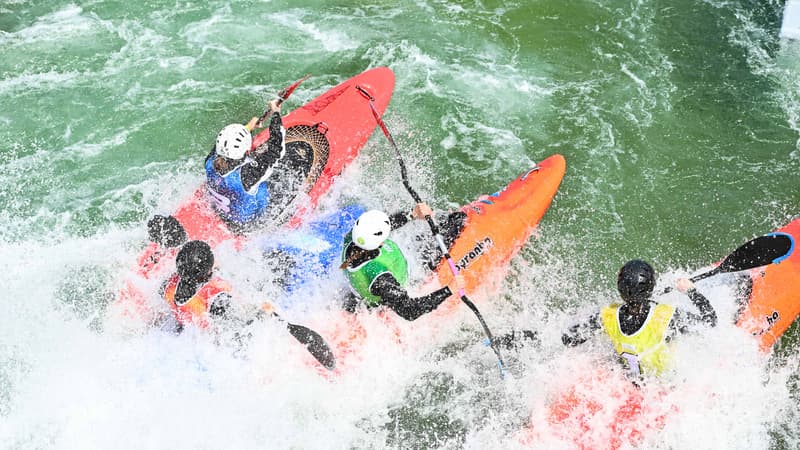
x=678 y=121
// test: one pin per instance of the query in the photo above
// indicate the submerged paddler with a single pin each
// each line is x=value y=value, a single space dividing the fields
x=236 y=176
x=377 y=270
x=640 y=328
x=194 y=294
x=198 y=297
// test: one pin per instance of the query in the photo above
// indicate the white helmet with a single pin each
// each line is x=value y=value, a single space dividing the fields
x=371 y=229
x=234 y=141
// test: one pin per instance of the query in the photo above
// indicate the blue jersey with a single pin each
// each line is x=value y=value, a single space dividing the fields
x=229 y=197
x=310 y=252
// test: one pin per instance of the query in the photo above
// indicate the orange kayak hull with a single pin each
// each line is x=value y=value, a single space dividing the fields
x=774 y=301
x=497 y=227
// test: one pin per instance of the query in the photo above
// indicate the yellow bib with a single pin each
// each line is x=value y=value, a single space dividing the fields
x=644 y=352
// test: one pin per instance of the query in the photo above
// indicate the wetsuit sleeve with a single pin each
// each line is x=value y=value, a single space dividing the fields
x=581 y=332
x=350 y=303
x=683 y=320
x=220 y=304
x=253 y=171
x=399 y=219
x=163 y=288
x=707 y=313
x=396 y=297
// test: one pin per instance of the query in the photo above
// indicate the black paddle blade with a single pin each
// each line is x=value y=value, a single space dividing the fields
x=315 y=344
x=758 y=252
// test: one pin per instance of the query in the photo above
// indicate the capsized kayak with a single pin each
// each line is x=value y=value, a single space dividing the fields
x=333 y=127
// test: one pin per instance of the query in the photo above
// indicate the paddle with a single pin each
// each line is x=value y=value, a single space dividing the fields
x=761 y=251
x=282 y=96
x=434 y=228
x=314 y=343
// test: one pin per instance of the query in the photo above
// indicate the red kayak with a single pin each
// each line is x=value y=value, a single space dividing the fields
x=334 y=126
x=596 y=409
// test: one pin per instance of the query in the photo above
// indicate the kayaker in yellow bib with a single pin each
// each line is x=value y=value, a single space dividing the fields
x=640 y=328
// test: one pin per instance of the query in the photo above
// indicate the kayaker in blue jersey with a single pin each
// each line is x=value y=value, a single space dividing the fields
x=640 y=328
x=236 y=178
x=377 y=269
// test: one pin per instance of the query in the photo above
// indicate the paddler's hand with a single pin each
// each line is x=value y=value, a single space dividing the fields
x=253 y=124
x=421 y=211
x=684 y=285
x=275 y=106
x=268 y=308
x=457 y=285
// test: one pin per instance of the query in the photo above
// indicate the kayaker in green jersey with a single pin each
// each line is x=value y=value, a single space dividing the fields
x=378 y=271
x=640 y=328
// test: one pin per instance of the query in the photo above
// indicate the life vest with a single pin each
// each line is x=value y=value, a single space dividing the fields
x=644 y=352
x=230 y=199
x=389 y=260
x=195 y=309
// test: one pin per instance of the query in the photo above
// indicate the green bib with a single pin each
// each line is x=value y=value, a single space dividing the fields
x=390 y=259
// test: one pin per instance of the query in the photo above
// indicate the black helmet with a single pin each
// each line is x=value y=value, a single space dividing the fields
x=166 y=231
x=195 y=261
x=636 y=281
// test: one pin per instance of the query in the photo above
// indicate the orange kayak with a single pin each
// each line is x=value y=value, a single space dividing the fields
x=774 y=300
x=496 y=228
x=335 y=125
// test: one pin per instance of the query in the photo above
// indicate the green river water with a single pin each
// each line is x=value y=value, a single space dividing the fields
x=678 y=121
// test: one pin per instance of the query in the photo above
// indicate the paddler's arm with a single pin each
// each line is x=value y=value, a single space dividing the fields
x=275 y=141
x=517 y=339
x=401 y=218
x=253 y=171
x=683 y=320
x=220 y=304
x=396 y=297
x=581 y=332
